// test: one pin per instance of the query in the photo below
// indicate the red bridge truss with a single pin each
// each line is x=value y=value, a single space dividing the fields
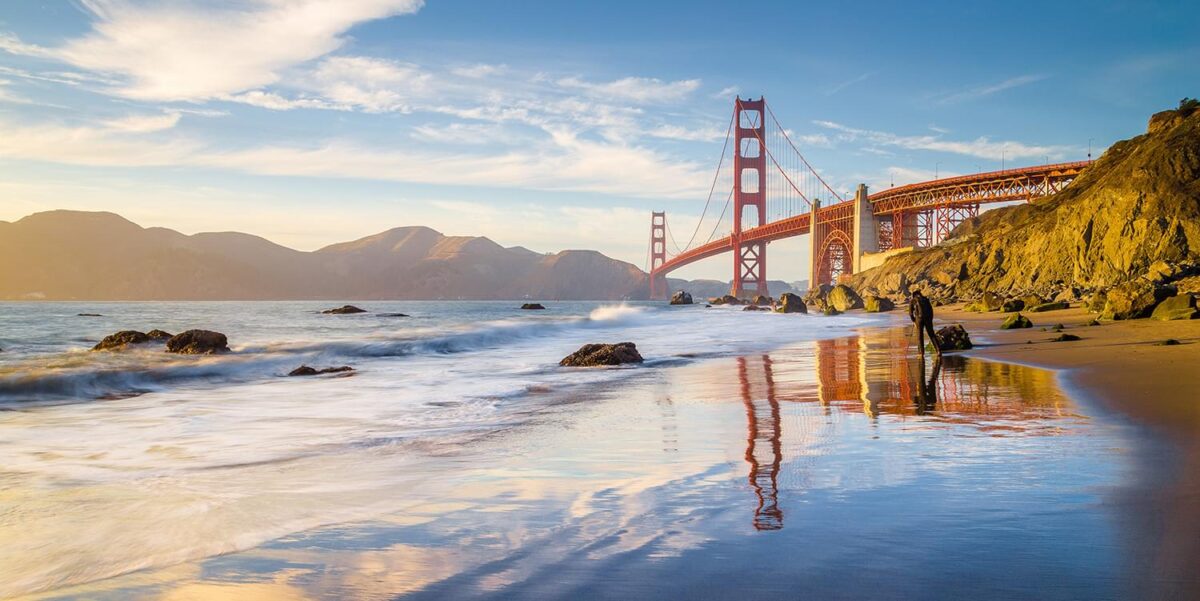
x=775 y=193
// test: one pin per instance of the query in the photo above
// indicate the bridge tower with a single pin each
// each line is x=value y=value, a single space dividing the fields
x=749 y=190
x=658 y=254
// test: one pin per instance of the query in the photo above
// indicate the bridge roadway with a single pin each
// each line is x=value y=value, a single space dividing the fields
x=1026 y=183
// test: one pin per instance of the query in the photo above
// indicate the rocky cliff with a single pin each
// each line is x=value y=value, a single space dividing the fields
x=1134 y=214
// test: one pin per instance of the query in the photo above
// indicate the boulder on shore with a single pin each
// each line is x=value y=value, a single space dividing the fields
x=728 y=299
x=1012 y=305
x=120 y=340
x=344 y=310
x=1180 y=306
x=198 y=342
x=763 y=300
x=1054 y=306
x=305 y=370
x=791 y=303
x=953 y=338
x=844 y=298
x=533 y=307
x=1131 y=300
x=1097 y=301
x=159 y=335
x=593 y=355
x=877 y=304
x=681 y=297
x=1016 y=321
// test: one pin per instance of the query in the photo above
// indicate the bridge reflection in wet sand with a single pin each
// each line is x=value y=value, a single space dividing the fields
x=875 y=374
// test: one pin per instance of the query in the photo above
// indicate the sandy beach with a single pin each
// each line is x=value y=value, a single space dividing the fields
x=1123 y=366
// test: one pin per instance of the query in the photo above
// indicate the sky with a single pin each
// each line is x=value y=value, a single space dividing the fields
x=547 y=124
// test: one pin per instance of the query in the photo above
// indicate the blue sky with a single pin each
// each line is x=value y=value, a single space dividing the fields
x=550 y=125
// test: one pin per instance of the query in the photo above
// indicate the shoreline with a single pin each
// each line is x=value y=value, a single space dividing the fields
x=1119 y=367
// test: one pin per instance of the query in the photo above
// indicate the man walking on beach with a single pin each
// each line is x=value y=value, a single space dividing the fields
x=920 y=311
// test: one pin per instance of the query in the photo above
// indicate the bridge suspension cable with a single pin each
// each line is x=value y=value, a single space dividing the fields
x=713 y=187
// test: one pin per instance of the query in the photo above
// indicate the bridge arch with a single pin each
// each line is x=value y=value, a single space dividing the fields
x=835 y=258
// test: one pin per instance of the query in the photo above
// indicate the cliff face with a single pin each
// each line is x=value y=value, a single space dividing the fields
x=1137 y=206
x=102 y=256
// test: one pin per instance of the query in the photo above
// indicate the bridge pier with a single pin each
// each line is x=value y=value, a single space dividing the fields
x=866 y=228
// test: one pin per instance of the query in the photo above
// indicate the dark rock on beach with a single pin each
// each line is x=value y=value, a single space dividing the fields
x=88 y=315
x=392 y=315
x=791 y=303
x=877 y=304
x=344 y=310
x=1064 y=337
x=198 y=342
x=844 y=298
x=593 y=355
x=1016 y=321
x=953 y=338
x=159 y=335
x=120 y=340
x=533 y=307
x=305 y=370
x=1133 y=299
x=755 y=308
x=1052 y=306
x=681 y=297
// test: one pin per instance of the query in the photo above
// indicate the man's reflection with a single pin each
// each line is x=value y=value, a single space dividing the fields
x=926 y=399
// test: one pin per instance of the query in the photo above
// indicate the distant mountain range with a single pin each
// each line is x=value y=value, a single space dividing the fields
x=68 y=255
x=65 y=255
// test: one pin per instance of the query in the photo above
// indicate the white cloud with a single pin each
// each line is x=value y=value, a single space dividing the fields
x=687 y=134
x=372 y=85
x=981 y=147
x=144 y=123
x=726 y=93
x=277 y=102
x=191 y=50
x=635 y=89
x=838 y=87
x=480 y=70
x=565 y=163
x=989 y=89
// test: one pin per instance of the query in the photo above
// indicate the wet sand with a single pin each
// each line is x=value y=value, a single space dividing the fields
x=1122 y=366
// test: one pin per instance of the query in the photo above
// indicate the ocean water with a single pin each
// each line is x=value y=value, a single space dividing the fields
x=753 y=455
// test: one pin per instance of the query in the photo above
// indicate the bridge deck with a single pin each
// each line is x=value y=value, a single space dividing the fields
x=1026 y=183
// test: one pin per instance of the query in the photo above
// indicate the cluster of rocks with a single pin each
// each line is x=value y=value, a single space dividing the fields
x=191 y=342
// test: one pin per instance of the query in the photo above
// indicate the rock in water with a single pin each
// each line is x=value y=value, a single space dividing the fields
x=344 y=310
x=198 y=342
x=1016 y=321
x=88 y=315
x=844 y=298
x=877 y=304
x=728 y=299
x=305 y=370
x=120 y=339
x=1180 y=306
x=791 y=303
x=1055 y=306
x=1131 y=300
x=681 y=297
x=763 y=300
x=830 y=310
x=755 y=308
x=593 y=355
x=953 y=338
x=533 y=307
x=159 y=335
x=1012 y=305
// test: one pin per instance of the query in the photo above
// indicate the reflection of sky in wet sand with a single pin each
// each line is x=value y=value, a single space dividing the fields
x=794 y=474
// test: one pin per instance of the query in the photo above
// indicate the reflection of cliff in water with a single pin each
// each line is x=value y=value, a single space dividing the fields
x=877 y=375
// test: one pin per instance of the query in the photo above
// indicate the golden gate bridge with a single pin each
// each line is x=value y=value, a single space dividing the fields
x=772 y=192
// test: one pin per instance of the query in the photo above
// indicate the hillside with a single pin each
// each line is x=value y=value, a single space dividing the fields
x=1135 y=213
x=102 y=256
